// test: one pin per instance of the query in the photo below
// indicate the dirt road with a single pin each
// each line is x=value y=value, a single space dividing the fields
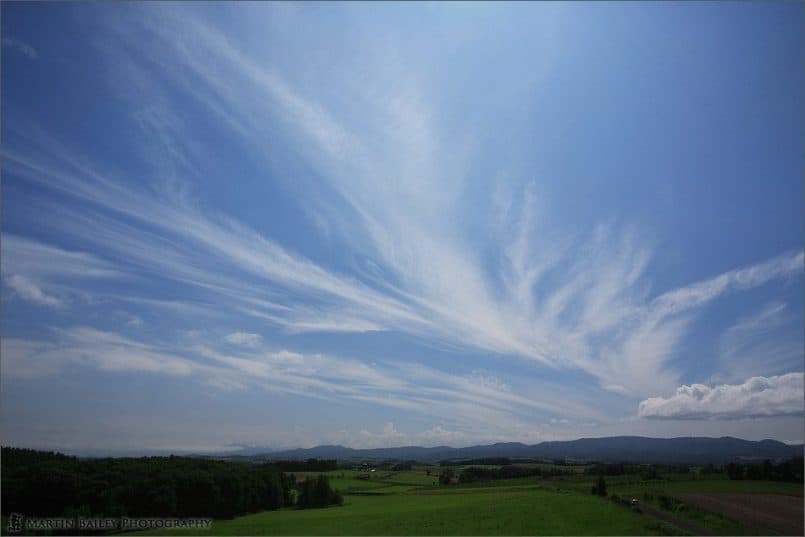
x=676 y=521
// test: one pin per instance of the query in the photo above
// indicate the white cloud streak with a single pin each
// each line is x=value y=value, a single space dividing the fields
x=698 y=294
x=398 y=185
x=20 y=46
x=45 y=274
x=245 y=339
x=765 y=342
x=472 y=404
x=31 y=291
x=87 y=347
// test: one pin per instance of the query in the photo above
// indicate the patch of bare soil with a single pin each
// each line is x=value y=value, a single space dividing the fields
x=761 y=512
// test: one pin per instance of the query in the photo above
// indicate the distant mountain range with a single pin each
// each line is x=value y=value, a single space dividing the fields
x=637 y=449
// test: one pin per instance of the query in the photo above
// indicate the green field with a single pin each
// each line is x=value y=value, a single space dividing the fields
x=650 y=492
x=528 y=512
x=633 y=484
x=411 y=503
x=382 y=482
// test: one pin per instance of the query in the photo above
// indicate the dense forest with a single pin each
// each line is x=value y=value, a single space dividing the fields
x=790 y=470
x=52 y=484
x=787 y=470
x=309 y=465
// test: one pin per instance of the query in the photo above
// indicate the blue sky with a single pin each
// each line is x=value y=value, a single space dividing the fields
x=386 y=224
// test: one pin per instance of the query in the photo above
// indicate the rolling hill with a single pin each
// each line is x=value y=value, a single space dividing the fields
x=637 y=449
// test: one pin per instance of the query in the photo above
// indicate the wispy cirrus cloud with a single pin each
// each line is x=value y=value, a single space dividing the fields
x=568 y=302
x=406 y=204
x=48 y=275
x=760 y=343
x=374 y=208
x=695 y=295
x=20 y=46
x=37 y=259
x=88 y=347
x=465 y=402
x=30 y=290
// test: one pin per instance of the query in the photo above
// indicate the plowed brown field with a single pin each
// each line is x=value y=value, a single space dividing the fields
x=761 y=512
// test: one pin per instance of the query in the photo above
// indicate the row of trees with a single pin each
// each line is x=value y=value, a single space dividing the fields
x=309 y=465
x=499 y=461
x=790 y=470
x=478 y=473
x=646 y=471
x=51 y=484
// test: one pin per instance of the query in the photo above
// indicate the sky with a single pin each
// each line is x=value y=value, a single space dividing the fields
x=281 y=224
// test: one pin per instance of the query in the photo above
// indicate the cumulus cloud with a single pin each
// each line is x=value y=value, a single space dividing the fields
x=389 y=436
x=758 y=397
x=244 y=339
x=439 y=436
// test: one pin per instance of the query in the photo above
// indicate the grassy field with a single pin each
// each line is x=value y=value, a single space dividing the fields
x=671 y=486
x=381 y=482
x=633 y=484
x=410 y=503
x=527 y=512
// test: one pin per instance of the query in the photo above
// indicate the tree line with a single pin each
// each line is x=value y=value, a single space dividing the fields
x=51 y=484
x=502 y=461
x=647 y=471
x=309 y=465
x=493 y=461
x=789 y=470
x=478 y=473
